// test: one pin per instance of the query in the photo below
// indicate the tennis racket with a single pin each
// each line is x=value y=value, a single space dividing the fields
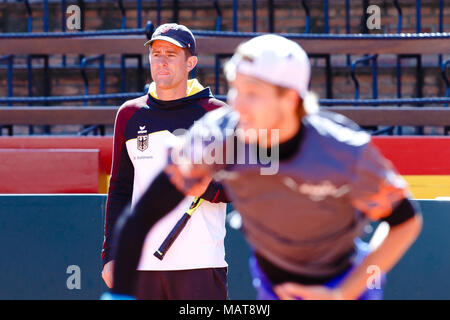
x=176 y=230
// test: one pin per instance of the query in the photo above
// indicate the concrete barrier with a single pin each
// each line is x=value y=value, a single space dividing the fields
x=51 y=245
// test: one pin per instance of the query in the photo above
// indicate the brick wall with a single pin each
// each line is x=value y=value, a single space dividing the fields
x=289 y=17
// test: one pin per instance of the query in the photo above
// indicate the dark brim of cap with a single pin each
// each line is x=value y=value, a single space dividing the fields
x=164 y=38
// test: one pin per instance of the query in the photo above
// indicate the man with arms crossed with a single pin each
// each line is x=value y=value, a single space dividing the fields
x=303 y=221
x=194 y=267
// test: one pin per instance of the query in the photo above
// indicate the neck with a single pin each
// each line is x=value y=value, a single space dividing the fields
x=175 y=93
x=290 y=130
x=285 y=132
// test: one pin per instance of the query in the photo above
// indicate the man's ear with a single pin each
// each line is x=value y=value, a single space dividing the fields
x=191 y=63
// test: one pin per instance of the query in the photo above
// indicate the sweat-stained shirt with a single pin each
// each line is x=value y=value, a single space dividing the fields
x=143 y=130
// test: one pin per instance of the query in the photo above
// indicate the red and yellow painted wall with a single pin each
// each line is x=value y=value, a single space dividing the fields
x=51 y=164
x=424 y=162
x=83 y=164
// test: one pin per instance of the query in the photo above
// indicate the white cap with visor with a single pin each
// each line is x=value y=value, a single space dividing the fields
x=274 y=59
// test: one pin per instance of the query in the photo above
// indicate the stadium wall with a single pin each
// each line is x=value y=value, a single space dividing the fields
x=59 y=164
x=201 y=14
x=51 y=248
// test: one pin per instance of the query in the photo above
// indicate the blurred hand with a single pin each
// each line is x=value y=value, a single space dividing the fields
x=107 y=273
x=199 y=188
x=192 y=180
x=295 y=291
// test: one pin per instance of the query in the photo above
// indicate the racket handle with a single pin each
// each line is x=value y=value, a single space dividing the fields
x=170 y=239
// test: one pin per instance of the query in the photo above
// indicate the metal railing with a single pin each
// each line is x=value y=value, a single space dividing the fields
x=175 y=5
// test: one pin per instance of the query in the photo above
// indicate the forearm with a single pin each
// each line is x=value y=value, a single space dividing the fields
x=388 y=253
x=159 y=199
x=119 y=196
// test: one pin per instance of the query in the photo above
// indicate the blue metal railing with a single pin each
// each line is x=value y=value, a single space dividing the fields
x=326 y=57
x=384 y=102
x=218 y=57
x=418 y=16
x=228 y=34
x=235 y=8
x=326 y=17
x=235 y=19
x=441 y=24
x=347 y=26
x=254 y=16
x=418 y=58
x=328 y=73
x=63 y=27
x=46 y=82
x=219 y=15
x=139 y=70
x=444 y=66
x=9 y=59
x=30 y=16
x=373 y=59
x=271 y=15
x=137 y=57
x=217 y=68
x=307 y=16
x=447 y=87
x=399 y=70
x=84 y=62
x=235 y=15
x=75 y=98
x=74 y=34
x=123 y=19
x=175 y=10
x=132 y=95
x=158 y=12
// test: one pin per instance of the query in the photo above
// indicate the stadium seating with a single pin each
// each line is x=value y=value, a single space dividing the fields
x=56 y=81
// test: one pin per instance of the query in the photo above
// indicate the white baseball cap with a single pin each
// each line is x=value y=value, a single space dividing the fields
x=274 y=59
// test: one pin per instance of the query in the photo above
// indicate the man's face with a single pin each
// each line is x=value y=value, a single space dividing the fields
x=259 y=104
x=169 y=65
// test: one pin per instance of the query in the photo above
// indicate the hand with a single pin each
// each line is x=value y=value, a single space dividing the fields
x=192 y=180
x=107 y=273
x=116 y=296
x=294 y=291
x=199 y=188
